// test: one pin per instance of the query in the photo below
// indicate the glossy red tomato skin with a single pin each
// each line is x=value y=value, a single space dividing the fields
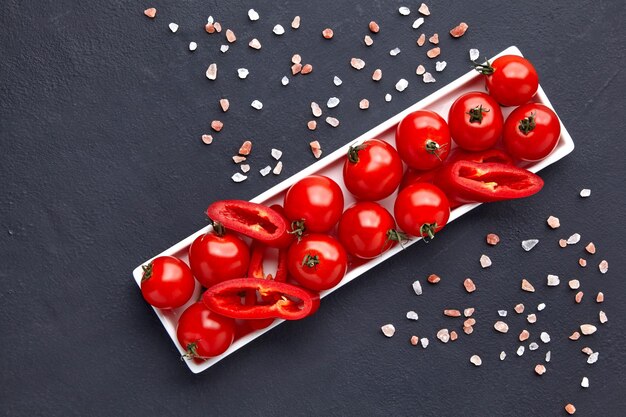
x=317 y=200
x=167 y=282
x=470 y=133
x=540 y=141
x=419 y=204
x=204 y=332
x=215 y=258
x=413 y=134
x=377 y=172
x=363 y=230
x=514 y=80
x=332 y=266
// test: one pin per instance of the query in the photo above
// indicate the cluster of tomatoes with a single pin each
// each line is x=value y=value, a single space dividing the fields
x=312 y=236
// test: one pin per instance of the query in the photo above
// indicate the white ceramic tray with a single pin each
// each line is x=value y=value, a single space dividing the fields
x=331 y=166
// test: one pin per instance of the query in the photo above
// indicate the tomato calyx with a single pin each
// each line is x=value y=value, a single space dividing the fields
x=353 y=152
x=192 y=352
x=476 y=114
x=484 y=69
x=147 y=272
x=394 y=235
x=427 y=231
x=311 y=261
x=297 y=228
x=218 y=228
x=434 y=148
x=527 y=124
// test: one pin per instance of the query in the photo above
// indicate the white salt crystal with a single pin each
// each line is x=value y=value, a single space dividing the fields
x=332 y=102
x=573 y=239
x=242 y=73
x=276 y=153
x=553 y=280
x=428 y=78
x=238 y=177
x=402 y=84
x=527 y=245
x=418 y=22
x=253 y=15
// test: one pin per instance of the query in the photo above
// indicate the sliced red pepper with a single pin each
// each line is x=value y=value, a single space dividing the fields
x=254 y=220
x=472 y=182
x=288 y=301
x=412 y=176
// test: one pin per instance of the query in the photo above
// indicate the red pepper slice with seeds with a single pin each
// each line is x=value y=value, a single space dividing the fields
x=286 y=301
x=251 y=219
x=471 y=182
x=457 y=154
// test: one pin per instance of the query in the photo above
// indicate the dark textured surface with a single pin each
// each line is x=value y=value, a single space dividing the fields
x=101 y=166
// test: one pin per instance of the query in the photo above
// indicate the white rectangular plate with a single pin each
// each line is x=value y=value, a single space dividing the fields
x=331 y=166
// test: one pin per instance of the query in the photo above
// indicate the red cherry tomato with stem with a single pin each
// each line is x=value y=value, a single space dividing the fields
x=366 y=230
x=423 y=140
x=531 y=132
x=317 y=262
x=510 y=79
x=217 y=256
x=167 y=282
x=314 y=204
x=372 y=170
x=422 y=209
x=475 y=121
x=204 y=334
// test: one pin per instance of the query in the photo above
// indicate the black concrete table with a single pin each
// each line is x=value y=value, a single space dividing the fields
x=101 y=167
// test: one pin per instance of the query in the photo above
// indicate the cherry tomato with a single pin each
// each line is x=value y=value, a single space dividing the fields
x=203 y=333
x=510 y=79
x=475 y=121
x=531 y=132
x=317 y=262
x=314 y=203
x=167 y=282
x=423 y=139
x=421 y=209
x=373 y=170
x=367 y=229
x=217 y=256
